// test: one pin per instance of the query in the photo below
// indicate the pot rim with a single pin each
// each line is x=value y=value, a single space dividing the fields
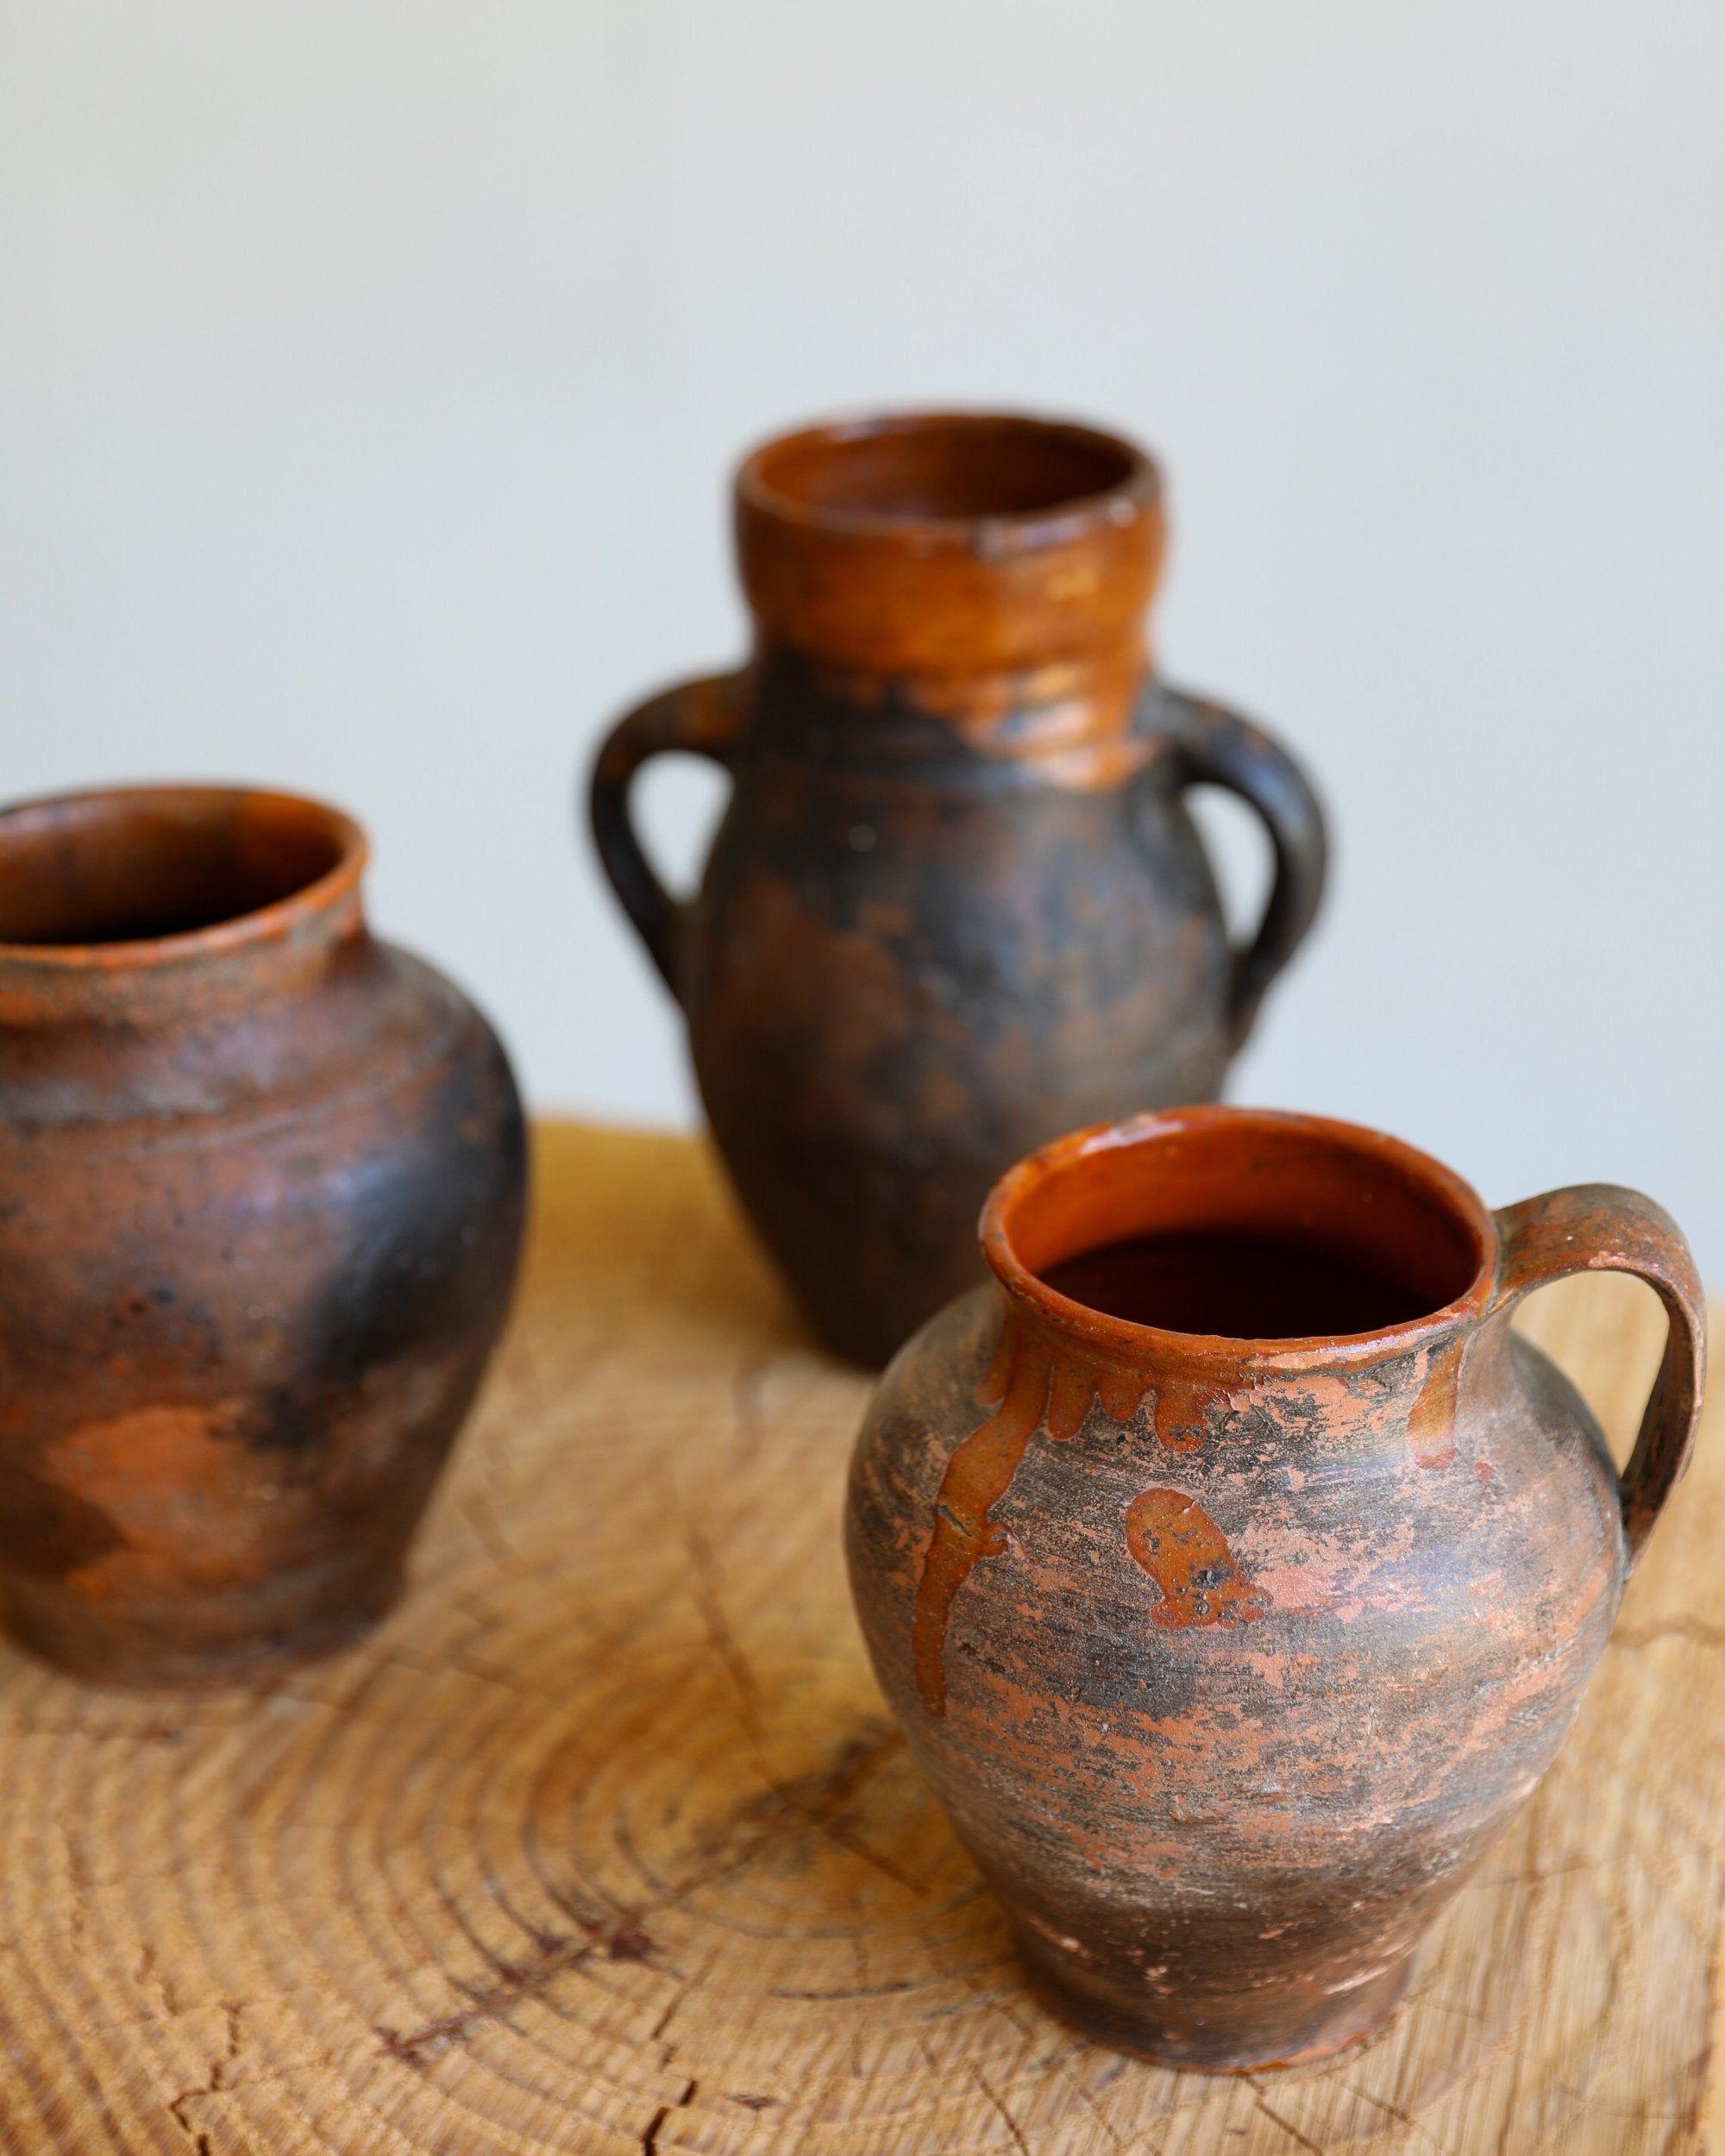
x=1130 y=1341
x=274 y=922
x=1136 y=492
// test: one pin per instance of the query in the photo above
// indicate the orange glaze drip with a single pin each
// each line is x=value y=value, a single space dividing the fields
x=1431 y=1425
x=1031 y=1385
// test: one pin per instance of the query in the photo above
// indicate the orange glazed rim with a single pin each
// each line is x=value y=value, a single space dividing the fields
x=946 y=472
x=1228 y=1168
x=334 y=847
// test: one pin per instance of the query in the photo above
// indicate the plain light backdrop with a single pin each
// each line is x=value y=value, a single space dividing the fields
x=371 y=370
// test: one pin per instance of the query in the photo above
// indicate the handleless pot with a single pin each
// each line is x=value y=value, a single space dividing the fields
x=1229 y=1655
x=261 y=1183
x=957 y=904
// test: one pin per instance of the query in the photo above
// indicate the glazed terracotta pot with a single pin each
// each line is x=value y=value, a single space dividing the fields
x=957 y=904
x=1235 y=1572
x=261 y=1195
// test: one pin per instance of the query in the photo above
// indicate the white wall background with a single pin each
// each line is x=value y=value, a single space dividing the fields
x=370 y=371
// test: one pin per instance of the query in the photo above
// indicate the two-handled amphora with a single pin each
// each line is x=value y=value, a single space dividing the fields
x=957 y=904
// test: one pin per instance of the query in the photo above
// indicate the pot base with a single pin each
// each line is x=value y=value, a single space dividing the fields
x=1247 y=2033
x=131 y=1656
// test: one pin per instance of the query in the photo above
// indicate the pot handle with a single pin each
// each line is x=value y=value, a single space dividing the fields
x=1216 y=746
x=701 y=718
x=1604 y=1228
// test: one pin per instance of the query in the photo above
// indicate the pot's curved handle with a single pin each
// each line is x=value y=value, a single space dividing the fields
x=1602 y=1227
x=1216 y=746
x=702 y=717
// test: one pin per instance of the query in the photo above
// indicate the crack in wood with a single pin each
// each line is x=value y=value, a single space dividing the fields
x=808 y=1799
x=1006 y=2118
x=213 y=2082
x=620 y=1937
x=1276 y=2118
x=1395 y=2112
x=650 y=2140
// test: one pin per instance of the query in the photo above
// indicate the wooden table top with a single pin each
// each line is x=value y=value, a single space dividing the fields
x=605 y=1842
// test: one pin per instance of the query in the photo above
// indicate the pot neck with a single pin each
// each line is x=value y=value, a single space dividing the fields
x=150 y=854
x=1076 y=722
x=1135 y=1365
x=939 y=548
x=1299 y=1181
x=1052 y=1368
x=204 y=984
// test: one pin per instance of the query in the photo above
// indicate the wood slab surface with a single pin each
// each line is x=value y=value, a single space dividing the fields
x=606 y=1843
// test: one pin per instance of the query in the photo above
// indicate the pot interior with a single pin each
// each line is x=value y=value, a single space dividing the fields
x=945 y=466
x=1246 y=1227
x=135 y=866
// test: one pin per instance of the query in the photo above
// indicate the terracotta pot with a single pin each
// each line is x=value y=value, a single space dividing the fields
x=957 y=905
x=1230 y=1641
x=260 y=1195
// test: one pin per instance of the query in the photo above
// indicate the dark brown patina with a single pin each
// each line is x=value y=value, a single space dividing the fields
x=260 y=1193
x=1230 y=1655
x=957 y=905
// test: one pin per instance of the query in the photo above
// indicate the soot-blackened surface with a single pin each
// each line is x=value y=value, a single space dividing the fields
x=430 y=1235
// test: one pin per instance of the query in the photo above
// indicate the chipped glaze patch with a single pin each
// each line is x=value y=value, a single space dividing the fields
x=1033 y=1386
x=1185 y=1552
x=1431 y=1423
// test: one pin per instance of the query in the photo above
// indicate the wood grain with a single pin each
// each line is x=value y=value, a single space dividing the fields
x=606 y=1843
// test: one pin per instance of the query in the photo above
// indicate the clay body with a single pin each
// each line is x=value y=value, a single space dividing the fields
x=261 y=1183
x=957 y=904
x=1229 y=1656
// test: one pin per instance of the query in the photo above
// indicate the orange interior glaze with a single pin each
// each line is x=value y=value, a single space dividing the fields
x=1245 y=1225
